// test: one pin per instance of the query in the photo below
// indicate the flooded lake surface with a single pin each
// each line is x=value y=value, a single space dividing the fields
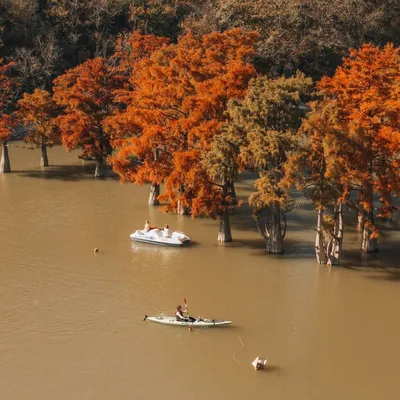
x=71 y=320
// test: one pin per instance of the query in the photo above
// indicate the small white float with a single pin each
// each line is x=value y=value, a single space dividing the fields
x=259 y=363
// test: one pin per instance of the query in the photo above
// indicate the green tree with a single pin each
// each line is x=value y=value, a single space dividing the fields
x=267 y=120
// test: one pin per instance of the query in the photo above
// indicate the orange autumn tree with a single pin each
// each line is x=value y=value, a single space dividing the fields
x=86 y=94
x=7 y=120
x=38 y=112
x=366 y=92
x=177 y=108
x=129 y=50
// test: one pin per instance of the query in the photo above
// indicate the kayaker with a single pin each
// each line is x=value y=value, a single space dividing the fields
x=180 y=315
x=147 y=226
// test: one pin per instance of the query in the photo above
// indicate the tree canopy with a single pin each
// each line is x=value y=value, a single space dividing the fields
x=176 y=108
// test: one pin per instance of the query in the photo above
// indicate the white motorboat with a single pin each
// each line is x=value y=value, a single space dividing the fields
x=157 y=236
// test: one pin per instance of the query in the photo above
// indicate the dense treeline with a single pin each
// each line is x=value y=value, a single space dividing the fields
x=190 y=103
x=46 y=37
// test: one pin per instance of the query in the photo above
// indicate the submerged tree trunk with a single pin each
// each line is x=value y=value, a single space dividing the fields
x=100 y=168
x=44 y=161
x=360 y=221
x=154 y=193
x=155 y=188
x=272 y=231
x=320 y=248
x=369 y=242
x=181 y=208
x=360 y=212
x=224 y=234
x=335 y=244
x=5 y=159
x=329 y=239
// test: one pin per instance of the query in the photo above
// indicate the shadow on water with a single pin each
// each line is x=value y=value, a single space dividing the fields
x=292 y=248
x=386 y=257
x=272 y=369
x=383 y=265
x=386 y=275
x=67 y=173
x=242 y=218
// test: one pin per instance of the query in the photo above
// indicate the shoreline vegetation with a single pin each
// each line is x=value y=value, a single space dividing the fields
x=189 y=106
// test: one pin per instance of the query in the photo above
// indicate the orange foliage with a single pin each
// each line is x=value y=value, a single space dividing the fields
x=366 y=92
x=38 y=112
x=7 y=95
x=177 y=107
x=87 y=95
x=130 y=49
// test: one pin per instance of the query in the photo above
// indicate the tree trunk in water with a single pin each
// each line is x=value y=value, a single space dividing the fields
x=360 y=221
x=100 y=168
x=369 y=244
x=334 y=247
x=360 y=211
x=154 y=193
x=44 y=161
x=5 y=159
x=274 y=242
x=183 y=210
x=231 y=192
x=224 y=234
x=320 y=250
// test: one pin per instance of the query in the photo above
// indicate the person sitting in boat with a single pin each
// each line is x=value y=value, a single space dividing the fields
x=147 y=226
x=167 y=231
x=180 y=315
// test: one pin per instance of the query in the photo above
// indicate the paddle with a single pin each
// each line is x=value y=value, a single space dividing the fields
x=187 y=311
x=186 y=307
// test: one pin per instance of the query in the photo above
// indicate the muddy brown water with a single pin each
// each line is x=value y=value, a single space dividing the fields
x=71 y=321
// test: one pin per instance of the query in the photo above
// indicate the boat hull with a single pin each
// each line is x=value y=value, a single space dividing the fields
x=156 y=236
x=149 y=241
x=201 y=323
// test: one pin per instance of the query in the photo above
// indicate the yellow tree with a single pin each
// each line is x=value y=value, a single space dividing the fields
x=38 y=112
